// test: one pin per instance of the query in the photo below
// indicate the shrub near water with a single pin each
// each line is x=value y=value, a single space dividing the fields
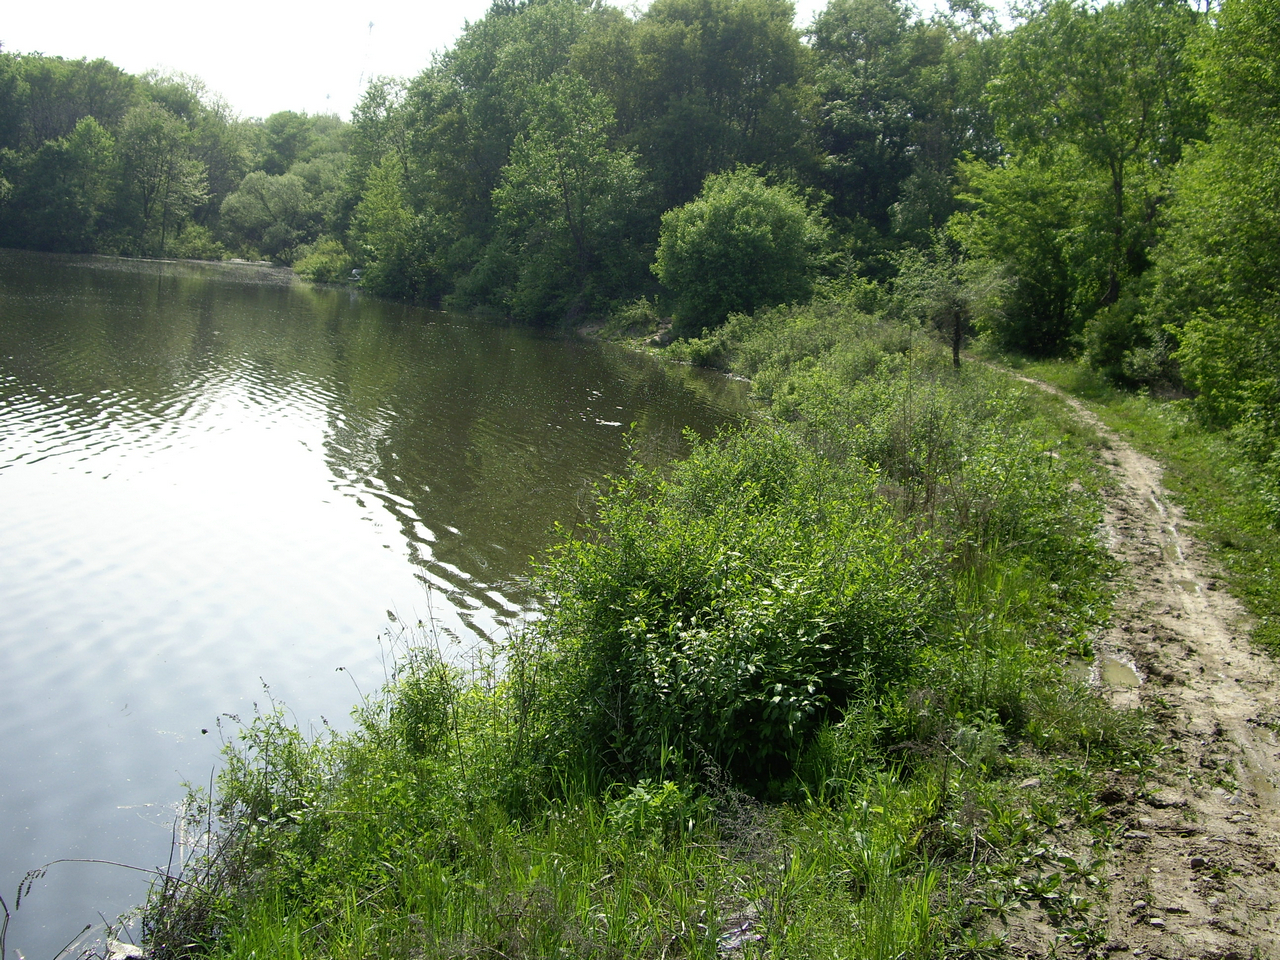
x=729 y=611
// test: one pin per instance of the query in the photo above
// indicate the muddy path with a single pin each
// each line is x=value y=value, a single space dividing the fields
x=1195 y=872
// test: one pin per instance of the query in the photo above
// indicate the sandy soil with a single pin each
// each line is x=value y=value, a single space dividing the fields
x=1195 y=873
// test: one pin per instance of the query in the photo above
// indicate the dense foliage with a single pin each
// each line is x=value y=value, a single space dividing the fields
x=1104 y=174
x=528 y=168
x=859 y=607
x=741 y=244
x=93 y=160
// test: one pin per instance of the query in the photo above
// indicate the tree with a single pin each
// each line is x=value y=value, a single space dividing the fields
x=283 y=139
x=465 y=113
x=1217 y=275
x=65 y=190
x=567 y=203
x=15 y=95
x=163 y=183
x=741 y=244
x=702 y=85
x=1101 y=97
x=61 y=92
x=1025 y=214
x=398 y=247
x=218 y=139
x=901 y=102
x=940 y=286
x=271 y=214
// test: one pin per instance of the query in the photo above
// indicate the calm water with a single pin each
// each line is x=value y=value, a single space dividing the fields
x=214 y=478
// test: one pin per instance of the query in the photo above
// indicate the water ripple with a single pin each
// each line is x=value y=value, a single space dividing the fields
x=210 y=484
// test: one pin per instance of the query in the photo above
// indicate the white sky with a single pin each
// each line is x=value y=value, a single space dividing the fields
x=262 y=57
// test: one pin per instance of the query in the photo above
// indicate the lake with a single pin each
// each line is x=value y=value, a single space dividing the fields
x=220 y=485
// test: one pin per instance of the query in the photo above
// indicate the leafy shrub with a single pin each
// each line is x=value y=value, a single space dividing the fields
x=731 y=610
x=196 y=242
x=423 y=698
x=639 y=318
x=1125 y=346
x=325 y=261
x=740 y=245
x=649 y=811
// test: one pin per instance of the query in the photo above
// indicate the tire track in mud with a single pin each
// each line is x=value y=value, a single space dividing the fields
x=1196 y=871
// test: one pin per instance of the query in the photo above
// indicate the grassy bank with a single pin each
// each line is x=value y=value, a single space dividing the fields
x=801 y=694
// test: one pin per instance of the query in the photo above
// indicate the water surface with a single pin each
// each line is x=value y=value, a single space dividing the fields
x=216 y=480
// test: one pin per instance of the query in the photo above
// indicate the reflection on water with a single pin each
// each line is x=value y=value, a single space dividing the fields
x=215 y=476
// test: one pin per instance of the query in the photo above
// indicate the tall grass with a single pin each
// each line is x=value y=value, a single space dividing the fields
x=777 y=705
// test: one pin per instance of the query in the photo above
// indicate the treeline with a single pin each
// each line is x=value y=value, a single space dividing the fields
x=528 y=167
x=94 y=160
x=1099 y=180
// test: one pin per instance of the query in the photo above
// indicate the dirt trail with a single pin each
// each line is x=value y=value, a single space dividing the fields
x=1197 y=871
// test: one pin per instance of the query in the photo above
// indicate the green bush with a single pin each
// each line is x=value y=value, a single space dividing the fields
x=729 y=611
x=1125 y=346
x=740 y=245
x=325 y=261
x=197 y=243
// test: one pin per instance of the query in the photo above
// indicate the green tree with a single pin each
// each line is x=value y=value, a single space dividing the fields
x=15 y=95
x=163 y=183
x=940 y=286
x=569 y=204
x=67 y=186
x=379 y=126
x=272 y=215
x=325 y=178
x=217 y=138
x=399 y=249
x=901 y=101
x=61 y=92
x=740 y=245
x=283 y=139
x=1025 y=214
x=465 y=113
x=702 y=85
x=1217 y=276
x=1100 y=99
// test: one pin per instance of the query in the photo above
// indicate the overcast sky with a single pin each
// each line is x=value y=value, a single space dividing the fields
x=261 y=56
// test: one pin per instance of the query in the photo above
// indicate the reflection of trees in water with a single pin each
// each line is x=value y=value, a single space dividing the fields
x=474 y=438
x=494 y=435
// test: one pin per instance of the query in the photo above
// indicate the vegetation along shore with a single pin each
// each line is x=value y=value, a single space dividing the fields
x=962 y=648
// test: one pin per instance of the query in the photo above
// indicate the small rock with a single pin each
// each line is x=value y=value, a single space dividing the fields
x=1198 y=863
x=1137 y=835
x=1029 y=784
x=1156 y=922
x=1139 y=904
x=116 y=950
